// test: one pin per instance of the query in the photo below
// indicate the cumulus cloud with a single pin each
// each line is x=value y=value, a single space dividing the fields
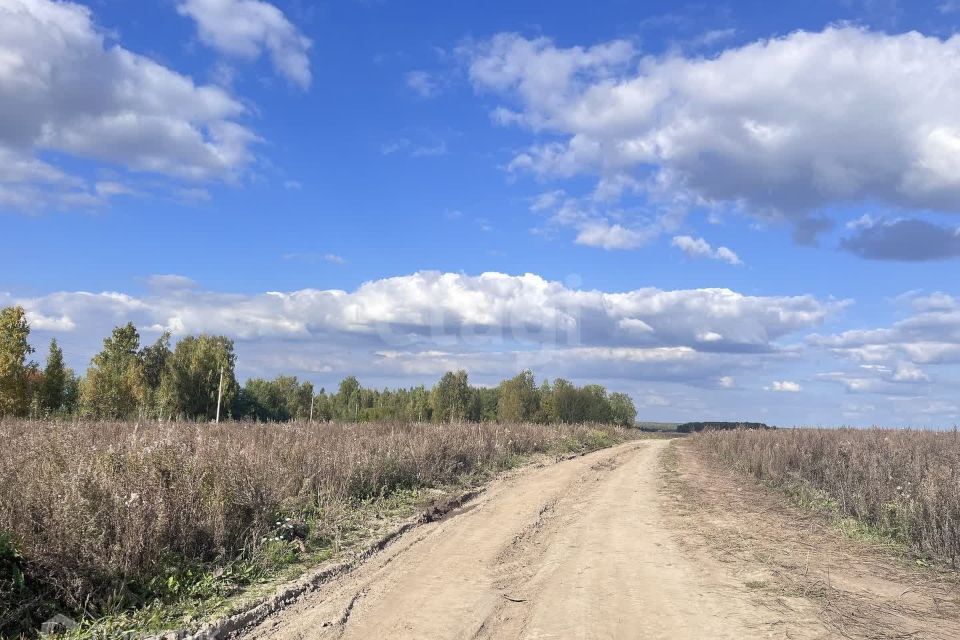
x=610 y=236
x=786 y=386
x=898 y=360
x=875 y=379
x=905 y=239
x=700 y=248
x=249 y=28
x=428 y=322
x=596 y=224
x=66 y=89
x=782 y=128
x=41 y=322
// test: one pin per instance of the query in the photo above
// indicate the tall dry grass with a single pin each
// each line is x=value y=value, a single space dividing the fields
x=904 y=483
x=97 y=511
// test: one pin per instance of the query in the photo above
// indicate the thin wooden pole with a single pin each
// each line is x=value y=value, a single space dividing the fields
x=219 y=395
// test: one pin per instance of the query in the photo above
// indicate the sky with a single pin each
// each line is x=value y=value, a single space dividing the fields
x=728 y=212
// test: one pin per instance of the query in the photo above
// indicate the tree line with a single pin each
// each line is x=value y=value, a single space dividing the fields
x=126 y=380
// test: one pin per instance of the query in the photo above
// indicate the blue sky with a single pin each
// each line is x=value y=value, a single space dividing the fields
x=727 y=212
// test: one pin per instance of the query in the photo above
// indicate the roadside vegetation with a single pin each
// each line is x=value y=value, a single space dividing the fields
x=902 y=485
x=108 y=518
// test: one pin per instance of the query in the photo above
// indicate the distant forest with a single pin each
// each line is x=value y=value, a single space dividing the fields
x=693 y=427
x=128 y=381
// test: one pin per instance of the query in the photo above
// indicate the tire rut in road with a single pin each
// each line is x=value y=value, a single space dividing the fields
x=519 y=563
x=577 y=549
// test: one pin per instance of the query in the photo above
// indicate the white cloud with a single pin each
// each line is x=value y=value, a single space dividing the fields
x=909 y=372
x=539 y=71
x=700 y=248
x=333 y=258
x=786 y=386
x=248 y=28
x=714 y=36
x=110 y=188
x=524 y=309
x=878 y=382
x=930 y=336
x=780 y=128
x=27 y=183
x=606 y=236
x=915 y=357
x=65 y=88
x=596 y=224
x=423 y=83
x=40 y=322
x=493 y=324
x=547 y=201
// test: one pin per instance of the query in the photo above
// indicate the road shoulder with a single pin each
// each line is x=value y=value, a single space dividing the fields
x=797 y=563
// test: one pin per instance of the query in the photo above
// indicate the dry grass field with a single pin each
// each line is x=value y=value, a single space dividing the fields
x=104 y=517
x=904 y=484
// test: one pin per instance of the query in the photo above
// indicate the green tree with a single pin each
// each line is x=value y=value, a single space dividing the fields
x=346 y=401
x=594 y=404
x=296 y=397
x=275 y=400
x=489 y=399
x=53 y=386
x=14 y=369
x=71 y=392
x=419 y=404
x=155 y=359
x=261 y=400
x=545 y=409
x=192 y=380
x=475 y=406
x=519 y=400
x=622 y=410
x=451 y=399
x=322 y=406
x=565 y=406
x=114 y=386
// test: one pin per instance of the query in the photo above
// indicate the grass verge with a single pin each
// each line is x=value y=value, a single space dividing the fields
x=895 y=488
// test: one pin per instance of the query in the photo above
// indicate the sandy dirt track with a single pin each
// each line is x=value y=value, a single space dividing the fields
x=583 y=548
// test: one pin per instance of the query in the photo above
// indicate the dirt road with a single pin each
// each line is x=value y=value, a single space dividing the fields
x=579 y=549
